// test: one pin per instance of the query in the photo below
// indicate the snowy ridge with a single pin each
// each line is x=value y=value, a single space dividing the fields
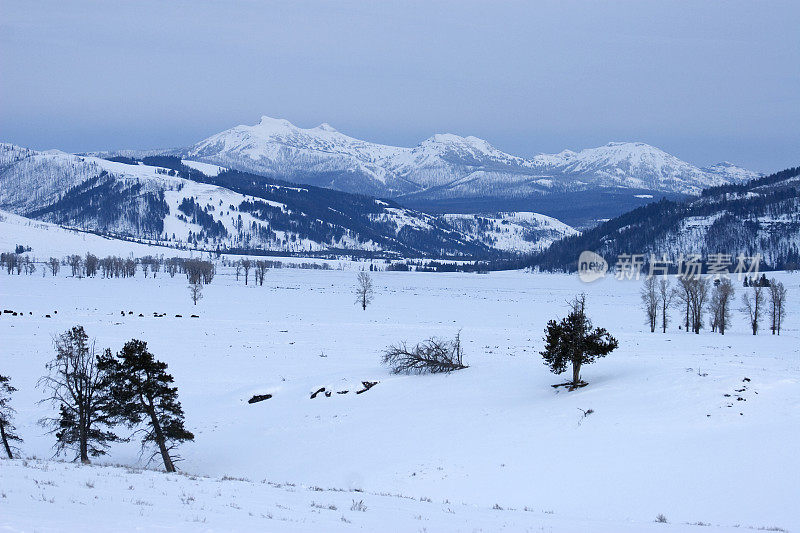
x=448 y=165
x=159 y=205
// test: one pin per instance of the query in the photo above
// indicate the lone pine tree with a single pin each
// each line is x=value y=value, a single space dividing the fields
x=7 y=429
x=573 y=341
x=142 y=393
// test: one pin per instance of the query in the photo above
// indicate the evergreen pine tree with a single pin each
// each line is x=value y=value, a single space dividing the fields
x=143 y=393
x=80 y=390
x=7 y=429
x=573 y=341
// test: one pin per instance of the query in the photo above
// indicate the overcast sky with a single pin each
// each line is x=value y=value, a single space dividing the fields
x=705 y=80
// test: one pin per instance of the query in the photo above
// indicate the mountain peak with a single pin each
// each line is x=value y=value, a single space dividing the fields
x=326 y=127
x=269 y=121
x=457 y=140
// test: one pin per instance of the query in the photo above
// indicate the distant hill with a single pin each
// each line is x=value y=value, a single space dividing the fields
x=761 y=216
x=183 y=203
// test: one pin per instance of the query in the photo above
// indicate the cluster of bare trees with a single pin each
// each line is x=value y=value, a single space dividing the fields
x=657 y=297
x=96 y=392
x=90 y=265
x=721 y=299
x=259 y=267
x=198 y=270
x=777 y=310
x=696 y=296
x=15 y=263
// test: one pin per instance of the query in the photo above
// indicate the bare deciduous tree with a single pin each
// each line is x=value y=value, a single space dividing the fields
x=196 y=291
x=79 y=389
x=752 y=304
x=665 y=295
x=260 y=271
x=683 y=293
x=54 y=265
x=90 y=264
x=364 y=290
x=246 y=264
x=777 y=298
x=649 y=296
x=75 y=262
x=699 y=297
x=721 y=298
x=692 y=294
x=431 y=356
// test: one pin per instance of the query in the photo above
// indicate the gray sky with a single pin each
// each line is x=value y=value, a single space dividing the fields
x=705 y=80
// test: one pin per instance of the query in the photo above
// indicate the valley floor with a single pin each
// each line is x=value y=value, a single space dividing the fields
x=664 y=436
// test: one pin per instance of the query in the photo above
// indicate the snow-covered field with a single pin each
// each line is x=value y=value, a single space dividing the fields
x=489 y=448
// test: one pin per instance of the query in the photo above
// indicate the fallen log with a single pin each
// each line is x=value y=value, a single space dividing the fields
x=259 y=398
x=570 y=385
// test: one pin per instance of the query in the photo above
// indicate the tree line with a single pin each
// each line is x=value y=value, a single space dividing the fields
x=90 y=265
x=696 y=297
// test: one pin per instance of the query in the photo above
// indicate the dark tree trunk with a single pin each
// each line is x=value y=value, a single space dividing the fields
x=576 y=373
x=83 y=437
x=162 y=445
x=6 y=445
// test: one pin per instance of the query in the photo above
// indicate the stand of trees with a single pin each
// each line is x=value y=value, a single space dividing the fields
x=94 y=393
x=777 y=298
x=721 y=298
x=692 y=299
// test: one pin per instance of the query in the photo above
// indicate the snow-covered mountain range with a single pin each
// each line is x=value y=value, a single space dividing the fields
x=185 y=203
x=447 y=165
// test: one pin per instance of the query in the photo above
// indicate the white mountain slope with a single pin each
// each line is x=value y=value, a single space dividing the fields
x=155 y=205
x=318 y=156
x=516 y=231
x=641 y=166
x=447 y=165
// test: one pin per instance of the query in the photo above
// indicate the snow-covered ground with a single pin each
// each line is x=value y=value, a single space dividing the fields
x=663 y=436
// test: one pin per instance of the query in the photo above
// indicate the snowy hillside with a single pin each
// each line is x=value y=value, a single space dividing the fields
x=667 y=434
x=130 y=499
x=191 y=204
x=761 y=216
x=447 y=165
x=527 y=232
